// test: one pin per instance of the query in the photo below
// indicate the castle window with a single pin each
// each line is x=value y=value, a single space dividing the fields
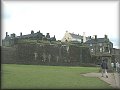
x=106 y=49
x=91 y=44
x=100 y=49
x=92 y=50
x=103 y=49
x=100 y=44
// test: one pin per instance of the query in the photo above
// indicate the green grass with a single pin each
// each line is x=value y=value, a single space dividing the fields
x=48 y=77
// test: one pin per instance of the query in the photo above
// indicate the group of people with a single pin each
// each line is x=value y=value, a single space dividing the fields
x=104 y=67
x=115 y=66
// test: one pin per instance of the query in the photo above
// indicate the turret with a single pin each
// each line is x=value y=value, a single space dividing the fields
x=32 y=32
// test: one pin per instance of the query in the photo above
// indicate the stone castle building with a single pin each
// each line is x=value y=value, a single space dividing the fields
x=91 y=50
x=99 y=46
x=102 y=48
x=13 y=39
x=71 y=37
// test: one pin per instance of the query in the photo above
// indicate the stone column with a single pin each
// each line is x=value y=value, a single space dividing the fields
x=49 y=57
x=36 y=55
x=57 y=58
x=44 y=57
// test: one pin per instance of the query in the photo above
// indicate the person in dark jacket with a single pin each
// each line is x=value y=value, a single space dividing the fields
x=104 y=68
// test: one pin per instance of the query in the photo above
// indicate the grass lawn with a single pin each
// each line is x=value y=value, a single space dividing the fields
x=49 y=77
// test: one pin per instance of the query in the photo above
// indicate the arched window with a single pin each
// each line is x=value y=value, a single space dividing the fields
x=100 y=49
x=91 y=49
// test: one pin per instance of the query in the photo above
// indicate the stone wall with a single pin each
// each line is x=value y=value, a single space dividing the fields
x=8 y=55
x=46 y=54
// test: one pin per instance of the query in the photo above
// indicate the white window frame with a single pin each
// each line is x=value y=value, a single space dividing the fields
x=100 y=49
x=91 y=44
x=91 y=49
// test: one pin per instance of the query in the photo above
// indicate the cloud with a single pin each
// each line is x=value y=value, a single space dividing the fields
x=56 y=18
x=6 y=16
x=115 y=41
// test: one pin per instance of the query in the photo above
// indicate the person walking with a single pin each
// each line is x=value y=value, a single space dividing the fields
x=104 y=68
x=114 y=66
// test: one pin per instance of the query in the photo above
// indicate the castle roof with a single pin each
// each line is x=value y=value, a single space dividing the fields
x=76 y=36
x=30 y=35
x=98 y=40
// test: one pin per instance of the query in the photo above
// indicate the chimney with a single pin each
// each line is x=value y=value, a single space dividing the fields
x=105 y=37
x=54 y=38
x=95 y=37
x=84 y=38
x=21 y=34
x=13 y=34
x=90 y=37
x=6 y=34
x=47 y=35
x=81 y=40
x=32 y=32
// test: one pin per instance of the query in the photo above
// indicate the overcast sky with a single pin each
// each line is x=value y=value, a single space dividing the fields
x=93 y=18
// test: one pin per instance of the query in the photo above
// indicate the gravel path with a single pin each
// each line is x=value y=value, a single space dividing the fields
x=113 y=78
